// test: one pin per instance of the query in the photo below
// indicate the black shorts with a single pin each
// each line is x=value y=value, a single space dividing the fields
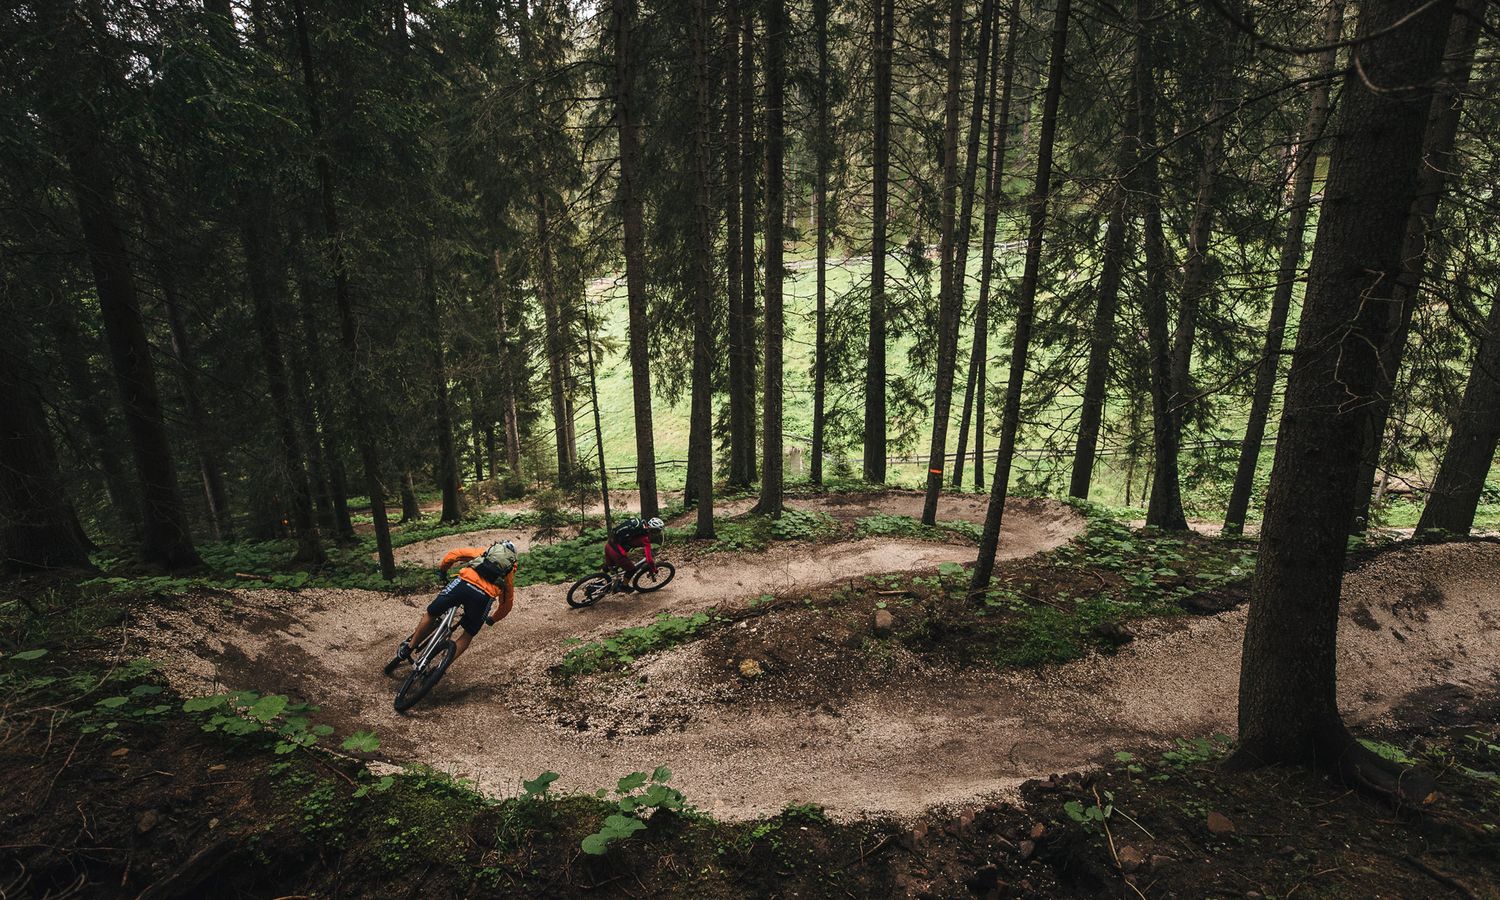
x=476 y=604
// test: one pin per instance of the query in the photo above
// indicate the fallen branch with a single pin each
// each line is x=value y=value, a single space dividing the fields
x=1440 y=877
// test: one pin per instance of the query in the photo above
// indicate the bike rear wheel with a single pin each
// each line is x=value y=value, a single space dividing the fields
x=588 y=590
x=647 y=581
x=419 y=682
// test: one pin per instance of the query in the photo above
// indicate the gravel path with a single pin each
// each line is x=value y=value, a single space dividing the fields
x=1414 y=619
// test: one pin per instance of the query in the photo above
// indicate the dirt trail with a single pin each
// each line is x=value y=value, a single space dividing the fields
x=1415 y=619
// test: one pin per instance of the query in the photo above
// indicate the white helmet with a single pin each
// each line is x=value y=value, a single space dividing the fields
x=655 y=524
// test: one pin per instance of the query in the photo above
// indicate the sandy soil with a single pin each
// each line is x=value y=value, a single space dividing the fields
x=915 y=737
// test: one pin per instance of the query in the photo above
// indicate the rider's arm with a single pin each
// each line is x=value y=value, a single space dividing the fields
x=457 y=556
x=646 y=546
x=507 y=597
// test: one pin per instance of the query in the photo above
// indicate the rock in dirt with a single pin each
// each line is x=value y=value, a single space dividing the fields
x=1218 y=823
x=147 y=821
x=1027 y=849
x=750 y=668
x=884 y=623
x=1130 y=858
x=1037 y=830
x=1160 y=861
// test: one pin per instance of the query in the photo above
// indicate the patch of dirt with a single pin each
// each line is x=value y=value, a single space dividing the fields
x=913 y=739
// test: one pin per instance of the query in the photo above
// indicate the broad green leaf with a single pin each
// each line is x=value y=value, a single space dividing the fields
x=595 y=844
x=661 y=774
x=622 y=826
x=113 y=702
x=362 y=742
x=631 y=782
x=539 y=784
x=29 y=655
x=268 y=707
x=203 y=704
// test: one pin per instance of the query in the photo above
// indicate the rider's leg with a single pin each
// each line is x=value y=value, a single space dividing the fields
x=423 y=629
x=461 y=643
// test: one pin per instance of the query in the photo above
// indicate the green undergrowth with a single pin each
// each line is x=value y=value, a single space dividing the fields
x=621 y=648
x=884 y=525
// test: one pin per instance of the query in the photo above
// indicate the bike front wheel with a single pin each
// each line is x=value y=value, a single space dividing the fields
x=588 y=590
x=420 y=681
x=647 y=581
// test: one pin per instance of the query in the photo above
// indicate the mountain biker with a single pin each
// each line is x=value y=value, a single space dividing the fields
x=487 y=576
x=627 y=536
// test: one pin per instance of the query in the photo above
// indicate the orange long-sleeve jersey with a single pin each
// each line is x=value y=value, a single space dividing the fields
x=505 y=593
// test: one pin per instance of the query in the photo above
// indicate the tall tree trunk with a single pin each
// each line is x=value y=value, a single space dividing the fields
x=741 y=426
x=307 y=431
x=774 y=12
x=557 y=346
x=750 y=163
x=635 y=251
x=982 y=66
x=348 y=329
x=950 y=292
x=263 y=302
x=165 y=536
x=598 y=427
x=442 y=411
x=1299 y=204
x=38 y=528
x=72 y=346
x=338 y=482
x=507 y=376
x=476 y=429
x=701 y=474
x=1288 y=706
x=1471 y=448
x=411 y=510
x=1432 y=182
x=875 y=372
x=989 y=539
x=1164 y=508
x=994 y=198
x=822 y=151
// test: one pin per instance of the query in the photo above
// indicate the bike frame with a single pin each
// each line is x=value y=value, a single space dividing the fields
x=440 y=633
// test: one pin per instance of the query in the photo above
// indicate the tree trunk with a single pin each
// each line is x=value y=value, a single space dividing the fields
x=411 y=510
x=557 y=347
x=821 y=150
x=750 y=160
x=701 y=474
x=1471 y=448
x=348 y=328
x=72 y=346
x=1288 y=710
x=741 y=426
x=989 y=540
x=950 y=292
x=982 y=67
x=476 y=429
x=994 y=194
x=1299 y=204
x=1164 y=508
x=38 y=528
x=635 y=252
x=165 y=536
x=509 y=413
x=774 y=12
x=260 y=279
x=338 y=491
x=442 y=411
x=1432 y=181
x=875 y=372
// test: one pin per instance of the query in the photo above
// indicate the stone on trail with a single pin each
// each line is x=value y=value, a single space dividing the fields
x=1218 y=823
x=750 y=668
x=1130 y=858
x=884 y=622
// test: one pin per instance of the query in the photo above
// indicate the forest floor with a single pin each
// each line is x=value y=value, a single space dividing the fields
x=850 y=722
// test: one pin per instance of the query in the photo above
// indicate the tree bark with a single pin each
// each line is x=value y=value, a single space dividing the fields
x=750 y=159
x=635 y=252
x=1471 y=448
x=1288 y=711
x=1299 y=204
x=1164 y=508
x=774 y=12
x=823 y=148
x=1432 y=182
x=38 y=528
x=950 y=292
x=164 y=535
x=72 y=346
x=558 y=374
x=509 y=412
x=348 y=329
x=989 y=539
x=702 y=469
x=411 y=510
x=263 y=302
x=982 y=67
x=327 y=416
x=875 y=370
x=452 y=511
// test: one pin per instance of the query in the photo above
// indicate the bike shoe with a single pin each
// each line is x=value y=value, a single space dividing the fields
x=403 y=652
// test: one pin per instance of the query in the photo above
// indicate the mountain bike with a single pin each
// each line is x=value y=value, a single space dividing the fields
x=592 y=588
x=429 y=661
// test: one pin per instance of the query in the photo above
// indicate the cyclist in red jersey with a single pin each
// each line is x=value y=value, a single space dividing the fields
x=629 y=535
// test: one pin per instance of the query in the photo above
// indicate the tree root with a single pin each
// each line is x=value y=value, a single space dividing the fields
x=1404 y=788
